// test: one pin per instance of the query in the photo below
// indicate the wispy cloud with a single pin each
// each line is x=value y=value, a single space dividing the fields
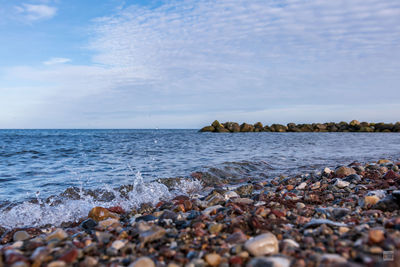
x=56 y=60
x=206 y=59
x=33 y=12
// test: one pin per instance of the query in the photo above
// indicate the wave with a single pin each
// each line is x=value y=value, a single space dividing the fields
x=75 y=203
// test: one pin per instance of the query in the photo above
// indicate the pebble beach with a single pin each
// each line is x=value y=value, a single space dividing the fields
x=348 y=216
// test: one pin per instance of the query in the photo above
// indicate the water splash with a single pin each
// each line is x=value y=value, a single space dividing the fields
x=70 y=208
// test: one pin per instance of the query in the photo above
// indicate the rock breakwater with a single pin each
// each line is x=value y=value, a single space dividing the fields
x=353 y=126
x=349 y=216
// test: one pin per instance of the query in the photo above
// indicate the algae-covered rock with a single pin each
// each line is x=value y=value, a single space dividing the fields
x=245 y=127
x=207 y=129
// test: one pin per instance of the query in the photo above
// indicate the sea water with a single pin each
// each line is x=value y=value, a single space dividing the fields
x=37 y=167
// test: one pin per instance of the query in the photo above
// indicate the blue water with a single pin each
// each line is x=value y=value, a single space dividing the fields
x=50 y=161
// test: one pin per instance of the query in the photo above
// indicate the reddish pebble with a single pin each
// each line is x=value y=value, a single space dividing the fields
x=70 y=256
x=116 y=209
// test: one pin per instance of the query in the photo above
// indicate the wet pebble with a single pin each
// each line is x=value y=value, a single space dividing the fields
x=264 y=244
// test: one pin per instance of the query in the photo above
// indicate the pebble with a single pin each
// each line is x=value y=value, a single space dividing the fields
x=370 y=201
x=211 y=209
x=230 y=194
x=108 y=222
x=21 y=236
x=376 y=235
x=215 y=228
x=118 y=244
x=88 y=224
x=213 y=259
x=57 y=264
x=154 y=233
x=273 y=261
x=341 y=184
x=58 y=234
x=264 y=244
x=301 y=186
x=143 y=262
x=332 y=259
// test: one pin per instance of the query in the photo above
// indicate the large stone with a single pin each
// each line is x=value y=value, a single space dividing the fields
x=207 y=129
x=245 y=127
x=232 y=127
x=264 y=244
x=344 y=171
x=278 y=128
x=99 y=214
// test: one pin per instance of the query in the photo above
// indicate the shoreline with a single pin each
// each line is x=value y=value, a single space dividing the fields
x=346 y=217
x=353 y=126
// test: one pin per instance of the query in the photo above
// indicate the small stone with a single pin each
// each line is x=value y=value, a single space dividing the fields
x=70 y=256
x=215 y=228
x=88 y=224
x=99 y=214
x=370 y=200
x=341 y=184
x=327 y=171
x=57 y=264
x=146 y=218
x=290 y=243
x=213 y=259
x=274 y=261
x=90 y=261
x=300 y=205
x=343 y=230
x=58 y=234
x=118 y=244
x=103 y=237
x=211 y=209
x=332 y=259
x=375 y=250
x=315 y=186
x=344 y=171
x=108 y=222
x=21 y=236
x=154 y=233
x=376 y=235
x=40 y=254
x=245 y=201
x=236 y=237
x=230 y=194
x=245 y=190
x=318 y=222
x=264 y=244
x=143 y=262
x=301 y=186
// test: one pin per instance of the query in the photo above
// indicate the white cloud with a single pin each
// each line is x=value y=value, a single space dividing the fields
x=56 y=60
x=33 y=12
x=187 y=62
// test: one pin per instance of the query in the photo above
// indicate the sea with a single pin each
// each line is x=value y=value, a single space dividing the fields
x=48 y=177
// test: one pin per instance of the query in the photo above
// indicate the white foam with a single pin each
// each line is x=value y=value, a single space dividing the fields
x=69 y=210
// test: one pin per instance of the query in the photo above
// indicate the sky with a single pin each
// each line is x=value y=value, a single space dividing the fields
x=183 y=64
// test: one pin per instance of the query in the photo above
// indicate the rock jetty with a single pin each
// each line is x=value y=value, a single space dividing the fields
x=349 y=216
x=353 y=126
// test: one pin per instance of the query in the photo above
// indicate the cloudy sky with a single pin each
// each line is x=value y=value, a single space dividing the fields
x=182 y=64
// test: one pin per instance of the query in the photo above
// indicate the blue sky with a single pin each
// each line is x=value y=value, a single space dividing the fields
x=182 y=64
